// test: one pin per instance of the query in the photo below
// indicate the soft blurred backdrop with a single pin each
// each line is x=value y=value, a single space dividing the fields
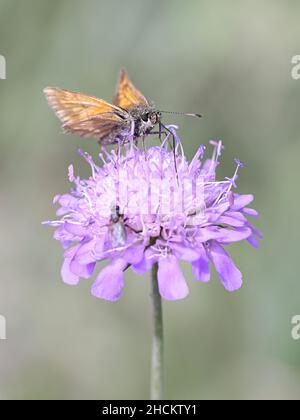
x=230 y=61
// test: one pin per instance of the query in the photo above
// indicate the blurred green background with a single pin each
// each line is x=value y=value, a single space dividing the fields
x=230 y=61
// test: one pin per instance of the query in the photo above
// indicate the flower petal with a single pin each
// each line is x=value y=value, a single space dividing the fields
x=207 y=233
x=62 y=235
x=98 y=250
x=75 y=266
x=146 y=263
x=67 y=275
x=75 y=229
x=171 y=283
x=65 y=200
x=184 y=252
x=82 y=270
x=235 y=219
x=241 y=201
x=250 y=212
x=256 y=231
x=70 y=252
x=110 y=281
x=230 y=276
x=222 y=234
x=85 y=254
x=253 y=241
x=134 y=254
x=227 y=236
x=200 y=268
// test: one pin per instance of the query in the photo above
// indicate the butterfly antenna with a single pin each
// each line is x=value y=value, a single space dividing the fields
x=182 y=113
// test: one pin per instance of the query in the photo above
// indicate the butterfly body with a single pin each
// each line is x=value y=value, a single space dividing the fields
x=89 y=116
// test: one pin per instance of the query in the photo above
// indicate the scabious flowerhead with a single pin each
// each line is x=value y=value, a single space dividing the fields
x=139 y=208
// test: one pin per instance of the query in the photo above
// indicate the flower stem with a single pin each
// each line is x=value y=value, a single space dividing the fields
x=156 y=386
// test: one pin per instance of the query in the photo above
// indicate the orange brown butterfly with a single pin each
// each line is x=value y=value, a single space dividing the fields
x=89 y=116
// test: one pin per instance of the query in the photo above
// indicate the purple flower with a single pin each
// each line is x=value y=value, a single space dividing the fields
x=139 y=208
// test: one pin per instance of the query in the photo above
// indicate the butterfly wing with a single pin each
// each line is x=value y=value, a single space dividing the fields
x=127 y=95
x=86 y=115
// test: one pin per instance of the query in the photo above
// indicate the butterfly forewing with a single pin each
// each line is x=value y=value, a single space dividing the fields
x=86 y=115
x=127 y=95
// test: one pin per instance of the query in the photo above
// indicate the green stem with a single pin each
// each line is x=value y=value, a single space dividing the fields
x=156 y=387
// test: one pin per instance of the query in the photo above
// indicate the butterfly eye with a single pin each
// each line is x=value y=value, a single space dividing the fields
x=154 y=118
x=145 y=117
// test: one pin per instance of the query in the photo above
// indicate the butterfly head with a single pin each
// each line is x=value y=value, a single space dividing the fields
x=151 y=117
x=145 y=120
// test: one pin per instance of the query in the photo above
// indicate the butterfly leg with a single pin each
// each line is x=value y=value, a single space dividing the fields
x=173 y=146
x=159 y=134
x=143 y=144
x=119 y=148
x=160 y=131
x=174 y=154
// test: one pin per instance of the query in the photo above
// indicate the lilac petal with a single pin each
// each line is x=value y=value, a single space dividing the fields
x=61 y=234
x=234 y=219
x=230 y=198
x=200 y=268
x=230 y=276
x=75 y=229
x=253 y=241
x=99 y=246
x=82 y=270
x=110 y=281
x=65 y=200
x=250 y=212
x=62 y=211
x=208 y=170
x=171 y=283
x=85 y=254
x=184 y=252
x=227 y=236
x=79 y=270
x=70 y=252
x=207 y=233
x=241 y=201
x=223 y=235
x=256 y=231
x=146 y=263
x=134 y=254
x=213 y=214
x=67 y=275
x=66 y=243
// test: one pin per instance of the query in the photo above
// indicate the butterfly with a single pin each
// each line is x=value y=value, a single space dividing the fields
x=89 y=116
